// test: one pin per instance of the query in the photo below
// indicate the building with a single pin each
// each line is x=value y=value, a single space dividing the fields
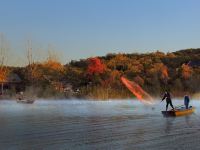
x=12 y=81
x=194 y=63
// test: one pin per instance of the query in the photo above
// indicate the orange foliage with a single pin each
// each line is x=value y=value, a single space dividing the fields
x=35 y=72
x=186 y=71
x=119 y=59
x=95 y=66
x=49 y=67
x=53 y=65
x=161 y=69
x=137 y=68
x=114 y=76
x=3 y=74
x=164 y=72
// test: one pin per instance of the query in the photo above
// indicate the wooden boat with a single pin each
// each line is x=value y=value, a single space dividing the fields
x=21 y=98
x=181 y=111
x=25 y=101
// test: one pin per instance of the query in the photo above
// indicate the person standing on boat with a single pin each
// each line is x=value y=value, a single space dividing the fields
x=186 y=101
x=167 y=96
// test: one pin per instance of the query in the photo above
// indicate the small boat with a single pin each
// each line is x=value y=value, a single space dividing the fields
x=26 y=101
x=180 y=111
x=20 y=98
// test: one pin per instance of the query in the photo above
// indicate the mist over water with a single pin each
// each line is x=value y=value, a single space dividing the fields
x=83 y=124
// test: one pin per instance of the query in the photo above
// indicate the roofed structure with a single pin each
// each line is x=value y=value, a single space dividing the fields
x=194 y=63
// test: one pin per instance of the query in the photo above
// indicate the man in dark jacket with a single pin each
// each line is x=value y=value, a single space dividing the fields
x=168 y=100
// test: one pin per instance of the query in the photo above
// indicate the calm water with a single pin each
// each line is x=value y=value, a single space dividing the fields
x=80 y=124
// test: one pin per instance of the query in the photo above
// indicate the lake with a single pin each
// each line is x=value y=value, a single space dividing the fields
x=84 y=124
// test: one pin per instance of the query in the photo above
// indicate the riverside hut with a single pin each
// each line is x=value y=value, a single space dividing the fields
x=11 y=81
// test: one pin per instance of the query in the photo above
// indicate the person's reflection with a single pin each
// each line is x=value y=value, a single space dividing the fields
x=170 y=120
x=188 y=120
x=169 y=123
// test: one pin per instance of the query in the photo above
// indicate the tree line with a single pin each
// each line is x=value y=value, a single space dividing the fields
x=99 y=77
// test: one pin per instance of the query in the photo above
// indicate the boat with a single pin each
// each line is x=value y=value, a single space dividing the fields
x=180 y=111
x=25 y=101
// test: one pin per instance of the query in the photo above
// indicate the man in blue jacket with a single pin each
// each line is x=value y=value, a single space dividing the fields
x=186 y=101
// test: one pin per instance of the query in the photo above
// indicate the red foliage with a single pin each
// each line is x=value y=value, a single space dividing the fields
x=95 y=66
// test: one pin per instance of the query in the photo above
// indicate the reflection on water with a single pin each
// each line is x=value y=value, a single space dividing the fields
x=80 y=124
x=169 y=123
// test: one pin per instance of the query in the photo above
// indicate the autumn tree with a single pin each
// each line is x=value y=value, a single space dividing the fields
x=119 y=62
x=186 y=71
x=159 y=69
x=139 y=80
x=50 y=68
x=75 y=76
x=4 y=47
x=164 y=73
x=3 y=74
x=112 y=79
x=95 y=66
x=95 y=71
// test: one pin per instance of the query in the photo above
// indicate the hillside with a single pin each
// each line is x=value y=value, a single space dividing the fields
x=99 y=77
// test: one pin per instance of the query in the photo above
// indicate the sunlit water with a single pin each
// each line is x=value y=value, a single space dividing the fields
x=81 y=124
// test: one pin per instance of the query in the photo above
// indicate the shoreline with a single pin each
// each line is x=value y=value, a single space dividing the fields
x=92 y=99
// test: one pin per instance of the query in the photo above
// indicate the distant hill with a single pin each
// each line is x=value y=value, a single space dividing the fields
x=99 y=77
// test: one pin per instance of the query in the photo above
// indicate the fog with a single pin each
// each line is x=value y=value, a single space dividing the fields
x=86 y=124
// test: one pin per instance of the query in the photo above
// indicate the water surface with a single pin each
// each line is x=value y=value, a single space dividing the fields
x=82 y=124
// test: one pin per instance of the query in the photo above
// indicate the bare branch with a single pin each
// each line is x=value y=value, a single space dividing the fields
x=4 y=47
x=29 y=52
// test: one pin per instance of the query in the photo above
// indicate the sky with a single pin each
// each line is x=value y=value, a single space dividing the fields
x=77 y=29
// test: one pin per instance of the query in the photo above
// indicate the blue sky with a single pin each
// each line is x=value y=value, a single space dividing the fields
x=84 y=28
